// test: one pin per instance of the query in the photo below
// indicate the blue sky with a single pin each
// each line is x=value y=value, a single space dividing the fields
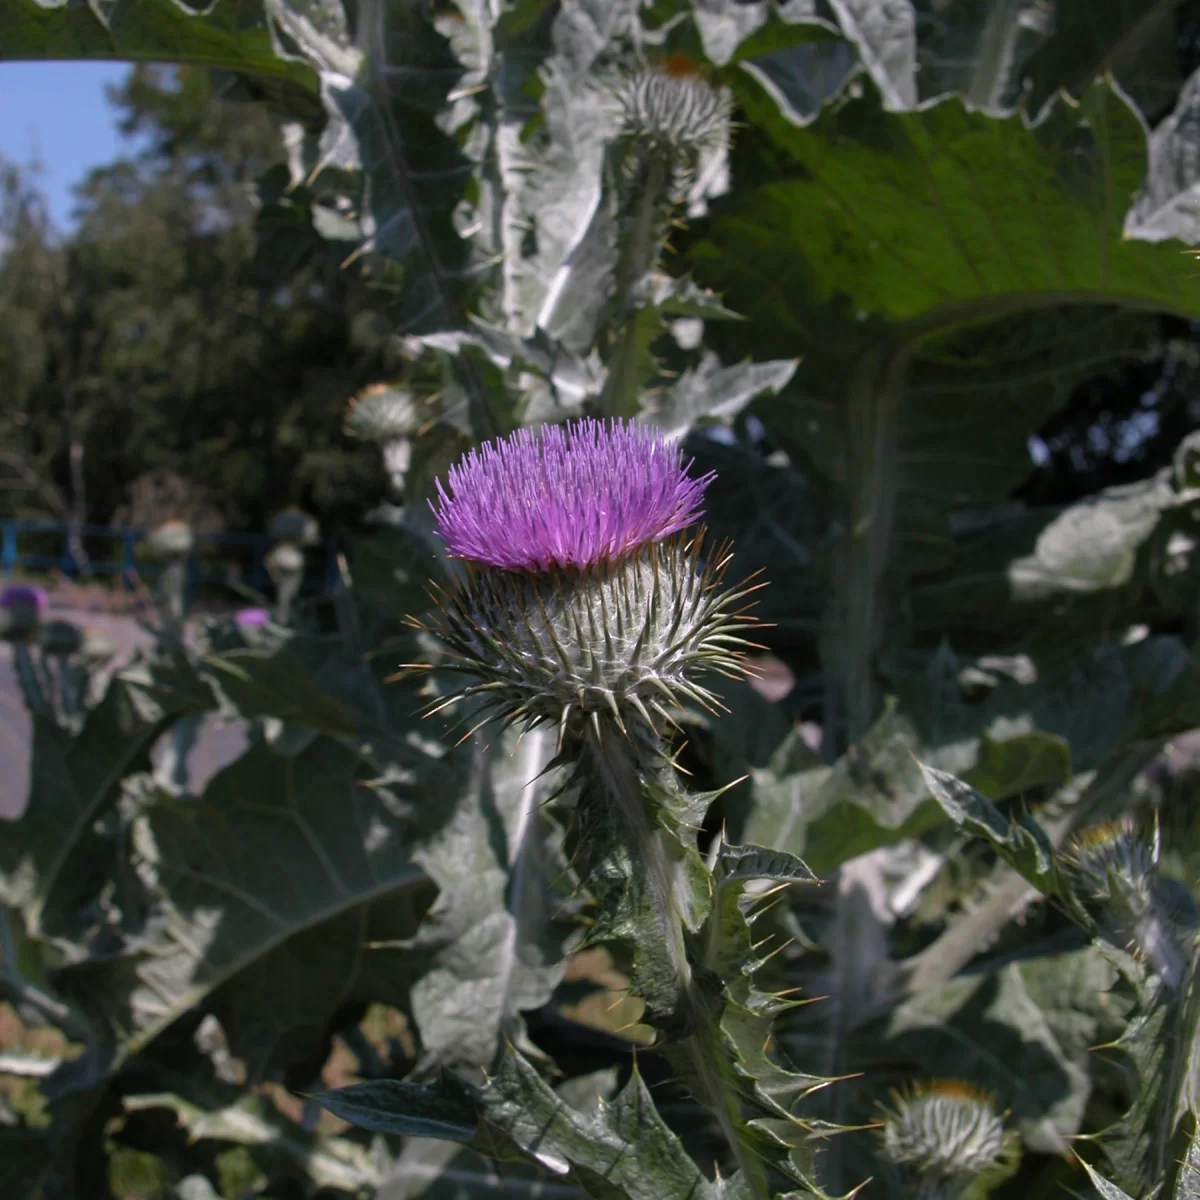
x=58 y=112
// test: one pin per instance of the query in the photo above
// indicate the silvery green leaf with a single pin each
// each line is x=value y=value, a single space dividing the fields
x=1168 y=206
x=1105 y=1188
x=621 y=1149
x=1022 y=843
x=489 y=947
x=991 y=1029
x=1148 y=1146
x=713 y=392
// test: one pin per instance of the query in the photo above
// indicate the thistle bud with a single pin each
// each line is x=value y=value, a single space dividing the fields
x=1112 y=864
x=381 y=413
x=171 y=540
x=946 y=1134
x=586 y=592
x=1117 y=870
x=673 y=117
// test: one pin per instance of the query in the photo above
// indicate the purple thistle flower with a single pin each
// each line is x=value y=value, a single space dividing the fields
x=571 y=496
x=20 y=596
x=251 y=617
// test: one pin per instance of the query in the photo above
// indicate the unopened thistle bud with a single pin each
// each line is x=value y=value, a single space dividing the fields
x=587 y=594
x=387 y=416
x=381 y=413
x=674 y=117
x=1112 y=863
x=1116 y=869
x=946 y=1134
x=171 y=540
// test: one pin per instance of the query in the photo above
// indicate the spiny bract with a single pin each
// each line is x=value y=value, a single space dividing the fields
x=945 y=1130
x=586 y=596
x=1112 y=862
x=679 y=115
x=381 y=413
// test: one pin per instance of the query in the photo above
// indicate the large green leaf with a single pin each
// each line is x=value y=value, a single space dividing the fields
x=491 y=937
x=998 y=54
x=931 y=267
x=621 y=1150
x=49 y=857
x=275 y=885
x=236 y=36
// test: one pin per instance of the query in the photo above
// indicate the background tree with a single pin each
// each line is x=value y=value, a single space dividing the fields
x=148 y=340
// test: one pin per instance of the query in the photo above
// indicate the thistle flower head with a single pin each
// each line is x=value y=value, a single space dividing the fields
x=171 y=539
x=945 y=1130
x=574 y=496
x=381 y=413
x=585 y=595
x=674 y=112
x=251 y=618
x=21 y=596
x=1112 y=862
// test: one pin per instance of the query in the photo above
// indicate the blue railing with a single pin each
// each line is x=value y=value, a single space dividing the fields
x=207 y=548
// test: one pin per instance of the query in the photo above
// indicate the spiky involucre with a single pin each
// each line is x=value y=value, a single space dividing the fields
x=945 y=1130
x=587 y=593
x=1113 y=863
x=681 y=115
x=601 y=639
x=381 y=414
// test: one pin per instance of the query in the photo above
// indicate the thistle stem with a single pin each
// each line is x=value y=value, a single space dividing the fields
x=619 y=772
x=639 y=254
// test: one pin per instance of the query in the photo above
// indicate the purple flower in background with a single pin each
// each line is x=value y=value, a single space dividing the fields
x=20 y=596
x=572 y=496
x=251 y=618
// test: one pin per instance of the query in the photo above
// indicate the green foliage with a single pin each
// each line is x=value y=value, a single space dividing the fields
x=856 y=255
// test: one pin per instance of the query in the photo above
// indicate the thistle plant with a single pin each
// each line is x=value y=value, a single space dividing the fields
x=590 y=601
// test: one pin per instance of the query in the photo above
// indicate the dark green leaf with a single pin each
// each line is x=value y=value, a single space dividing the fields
x=239 y=37
x=49 y=856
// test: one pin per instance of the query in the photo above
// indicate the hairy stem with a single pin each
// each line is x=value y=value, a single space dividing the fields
x=618 y=770
x=640 y=248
